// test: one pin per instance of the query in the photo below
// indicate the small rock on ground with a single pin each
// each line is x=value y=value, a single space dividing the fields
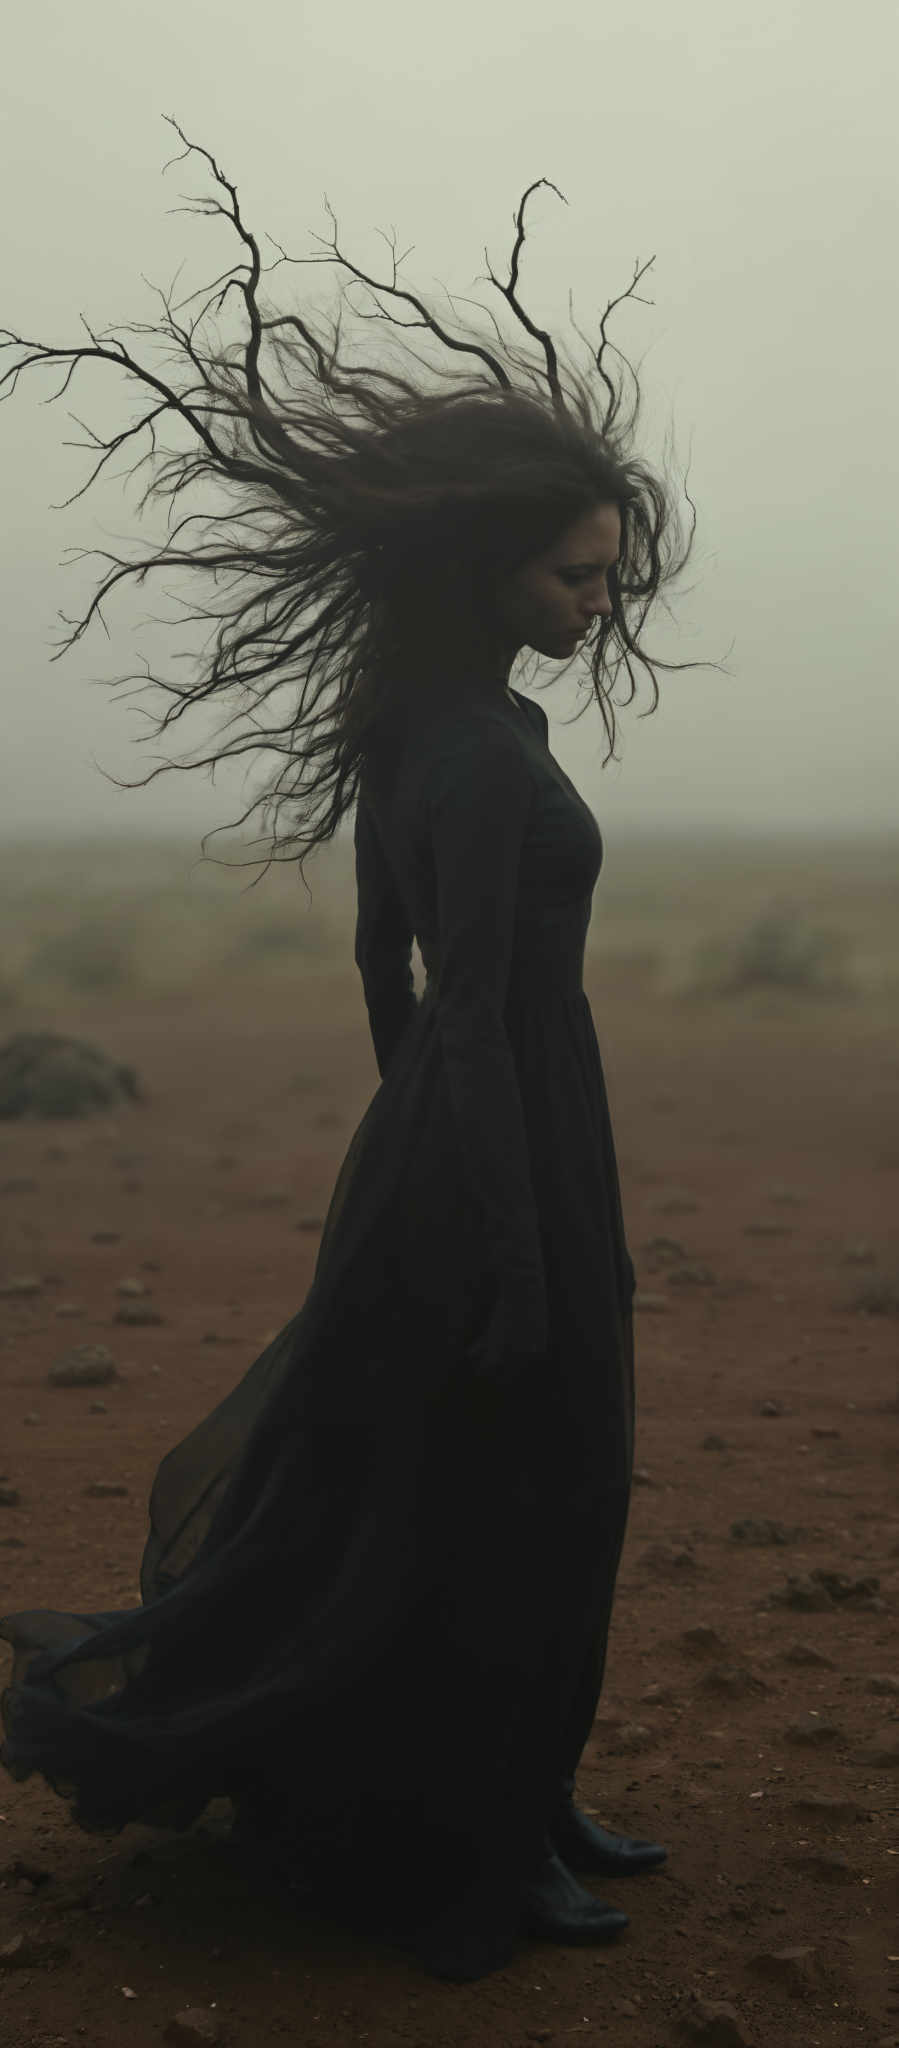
x=882 y=1754
x=797 y=1970
x=821 y=1868
x=805 y=1653
x=632 y=1737
x=668 y=1557
x=714 y=2024
x=89 y=1365
x=835 y=1812
x=804 y=1593
x=813 y=1731
x=761 y=1531
x=137 y=1313
x=733 y=1682
x=32 y=1952
x=701 y=1640
x=195 y=2028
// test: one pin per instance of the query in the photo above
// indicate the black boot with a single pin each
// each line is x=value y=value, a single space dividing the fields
x=557 y=1908
x=587 y=1847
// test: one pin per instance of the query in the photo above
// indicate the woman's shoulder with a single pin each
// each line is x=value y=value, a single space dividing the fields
x=463 y=736
x=472 y=725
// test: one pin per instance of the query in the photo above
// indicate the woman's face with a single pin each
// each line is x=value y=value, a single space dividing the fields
x=550 y=603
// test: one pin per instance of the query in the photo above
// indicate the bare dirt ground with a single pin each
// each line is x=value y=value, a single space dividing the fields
x=749 y=1723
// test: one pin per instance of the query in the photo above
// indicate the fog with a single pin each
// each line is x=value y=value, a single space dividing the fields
x=750 y=148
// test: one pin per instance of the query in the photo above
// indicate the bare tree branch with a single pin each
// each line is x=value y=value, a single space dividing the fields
x=510 y=293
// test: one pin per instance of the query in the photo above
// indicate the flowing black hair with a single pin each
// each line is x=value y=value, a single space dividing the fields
x=356 y=512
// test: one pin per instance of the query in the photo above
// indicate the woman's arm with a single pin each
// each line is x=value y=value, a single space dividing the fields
x=479 y=798
x=383 y=941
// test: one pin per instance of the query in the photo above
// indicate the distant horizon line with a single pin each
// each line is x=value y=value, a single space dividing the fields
x=620 y=830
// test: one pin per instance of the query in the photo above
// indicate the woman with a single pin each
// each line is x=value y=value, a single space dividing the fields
x=377 y=1587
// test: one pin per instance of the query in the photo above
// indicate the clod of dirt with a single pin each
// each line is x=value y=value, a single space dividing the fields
x=771 y=1407
x=668 y=1557
x=833 y=1812
x=762 y=1531
x=805 y=1653
x=132 y=1288
x=643 y=1477
x=821 y=1868
x=650 y=1304
x=194 y=2027
x=658 y=1696
x=691 y=1276
x=105 y=1489
x=98 y=1408
x=32 y=1952
x=88 y=1365
x=677 y=1202
x=840 y=1587
x=804 y=1592
x=714 y=1443
x=632 y=1739
x=882 y=1754
x=32 y=1873
x=715 y=2025
x=884 y=1684
x=137 y=1313
x=10 y=1497
x=701 y=1640
x=733 y=1682
x=21 y=1286
x=796 y=1970
x=43 y=1074
x=812 y=1731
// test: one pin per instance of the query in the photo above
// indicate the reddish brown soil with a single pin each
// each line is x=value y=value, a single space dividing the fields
x=762 y=1140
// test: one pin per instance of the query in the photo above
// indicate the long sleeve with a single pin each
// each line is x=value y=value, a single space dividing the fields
x=478 y=802
x=384 y=935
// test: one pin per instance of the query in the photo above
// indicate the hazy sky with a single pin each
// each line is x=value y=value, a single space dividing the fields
x=750 y=146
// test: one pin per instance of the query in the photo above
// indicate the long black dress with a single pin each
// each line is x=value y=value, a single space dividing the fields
x=375 y=1594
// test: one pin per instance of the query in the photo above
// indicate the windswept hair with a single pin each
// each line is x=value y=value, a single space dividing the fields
x=355 y=515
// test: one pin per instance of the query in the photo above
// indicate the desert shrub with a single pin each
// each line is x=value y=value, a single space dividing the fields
x=281 y=935
x=45 y=1074
x=876 y=1295
x=778 y=950
x=90 y=954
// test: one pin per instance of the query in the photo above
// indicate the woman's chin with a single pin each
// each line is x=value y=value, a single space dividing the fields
x=560 y=648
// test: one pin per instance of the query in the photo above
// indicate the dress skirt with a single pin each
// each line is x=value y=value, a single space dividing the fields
x=376 y=1588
